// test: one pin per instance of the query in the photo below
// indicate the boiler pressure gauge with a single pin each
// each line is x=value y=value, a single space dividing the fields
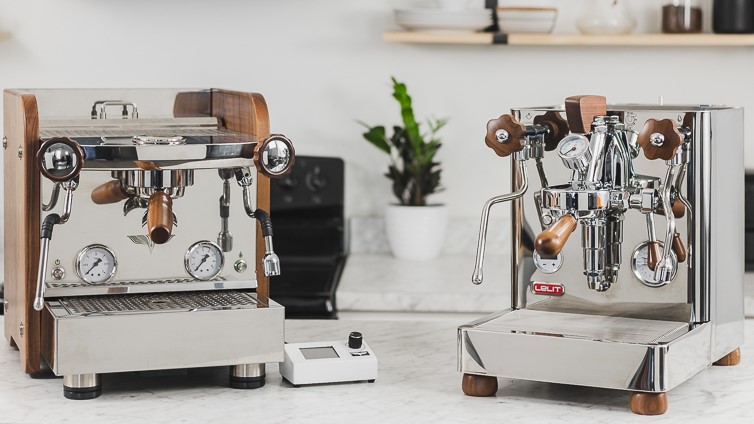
x=575 y=153
x=204 y=260
x=96 y=264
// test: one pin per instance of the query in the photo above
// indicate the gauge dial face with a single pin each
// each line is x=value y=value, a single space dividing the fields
x=640 y=268
x=204 y=260
x=96 y=264
x=573 y=146
x=548 y=266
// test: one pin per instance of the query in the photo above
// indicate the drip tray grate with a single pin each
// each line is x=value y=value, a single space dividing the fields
x=158 y=302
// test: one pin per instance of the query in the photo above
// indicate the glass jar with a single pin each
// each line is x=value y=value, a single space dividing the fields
x=682 y=17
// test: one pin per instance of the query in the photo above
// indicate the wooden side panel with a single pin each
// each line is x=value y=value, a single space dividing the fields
x=193 y=104
x=21 y=238
x=247 y=113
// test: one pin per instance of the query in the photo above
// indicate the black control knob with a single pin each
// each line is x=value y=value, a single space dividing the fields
x=354 y=340
x=315 y=180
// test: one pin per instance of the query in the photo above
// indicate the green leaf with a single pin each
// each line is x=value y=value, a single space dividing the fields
x=376 y=136
x=400 y=93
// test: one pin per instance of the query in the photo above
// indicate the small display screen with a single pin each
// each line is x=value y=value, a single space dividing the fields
x=319 y=353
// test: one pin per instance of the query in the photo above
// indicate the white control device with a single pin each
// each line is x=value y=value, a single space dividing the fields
x=329 y=362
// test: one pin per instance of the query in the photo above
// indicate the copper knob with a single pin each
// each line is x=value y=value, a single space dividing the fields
x=505 y=135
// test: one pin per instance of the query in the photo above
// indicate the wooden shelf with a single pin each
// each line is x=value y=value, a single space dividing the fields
x=648 y=40
x=4 y=35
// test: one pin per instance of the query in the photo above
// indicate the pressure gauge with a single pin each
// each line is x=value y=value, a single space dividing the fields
x=575 y=153
x=204 y=260
x=548 y=266
x=96 y=263
x=642 y=271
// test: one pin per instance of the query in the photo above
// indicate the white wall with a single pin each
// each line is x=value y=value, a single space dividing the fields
x=322 y=65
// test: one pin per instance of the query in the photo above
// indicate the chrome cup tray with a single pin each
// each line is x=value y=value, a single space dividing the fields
x=158 y=302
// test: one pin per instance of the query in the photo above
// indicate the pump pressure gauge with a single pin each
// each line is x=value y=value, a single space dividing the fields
x=204 y=260
x=96 y=264
x=575 y=153
x=640 y=267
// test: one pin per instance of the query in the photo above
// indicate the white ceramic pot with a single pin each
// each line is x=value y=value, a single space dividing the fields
x=606 y=17
x=416 y=232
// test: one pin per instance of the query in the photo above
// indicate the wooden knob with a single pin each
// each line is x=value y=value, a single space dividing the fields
x=109 y=192
x=505 y=135
x=679 y=248
x=581 y=110
x=654 y=253
x=551 y=241
x=660 y=139
x=679 y=209
x=558 y=128
x=160 y=217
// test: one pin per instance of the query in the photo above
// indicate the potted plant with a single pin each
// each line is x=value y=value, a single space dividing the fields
x=415 y=229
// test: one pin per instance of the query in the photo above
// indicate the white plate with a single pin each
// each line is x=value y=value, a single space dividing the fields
x=531 y=21
x=441 y=20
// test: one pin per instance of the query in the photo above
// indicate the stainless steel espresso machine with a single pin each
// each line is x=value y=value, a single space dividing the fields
x=649 y=291
x=131 y=235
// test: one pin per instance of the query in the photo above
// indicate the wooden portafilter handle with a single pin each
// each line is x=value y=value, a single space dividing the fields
x=550 y=242
x=160 y=217
x=660 y=139
x=505 y=135
x=109 y=192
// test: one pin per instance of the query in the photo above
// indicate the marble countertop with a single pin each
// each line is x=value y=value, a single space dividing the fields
x=382 y=283
x=376 y=282
x=418 y=383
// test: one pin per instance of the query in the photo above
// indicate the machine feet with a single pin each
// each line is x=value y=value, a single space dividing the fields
x=81 y=386
x=648 y=403
x=733 y=358
x=479 y=385
x=247 y=376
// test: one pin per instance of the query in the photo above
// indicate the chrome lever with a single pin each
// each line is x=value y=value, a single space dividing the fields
x=46 y=207
x=477 y=276
x=667 y=264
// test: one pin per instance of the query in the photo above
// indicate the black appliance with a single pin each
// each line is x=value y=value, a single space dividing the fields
x=749 y=223
x=307 y=215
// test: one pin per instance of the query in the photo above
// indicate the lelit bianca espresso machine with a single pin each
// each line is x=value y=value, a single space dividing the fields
x=131 y=235
x=627 y=249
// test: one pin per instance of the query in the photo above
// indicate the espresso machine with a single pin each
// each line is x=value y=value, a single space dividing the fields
x=157 y=261
x=649 y=291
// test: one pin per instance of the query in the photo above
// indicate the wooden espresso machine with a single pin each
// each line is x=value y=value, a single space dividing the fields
x=157 y=260
x=650 y=289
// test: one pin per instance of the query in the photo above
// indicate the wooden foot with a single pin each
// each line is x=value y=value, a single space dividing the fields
x=733 y=358
x=648 y=403
x=479 y=385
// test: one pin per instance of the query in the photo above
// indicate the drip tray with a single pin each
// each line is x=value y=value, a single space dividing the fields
x=157 y=302
x=588 y=327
